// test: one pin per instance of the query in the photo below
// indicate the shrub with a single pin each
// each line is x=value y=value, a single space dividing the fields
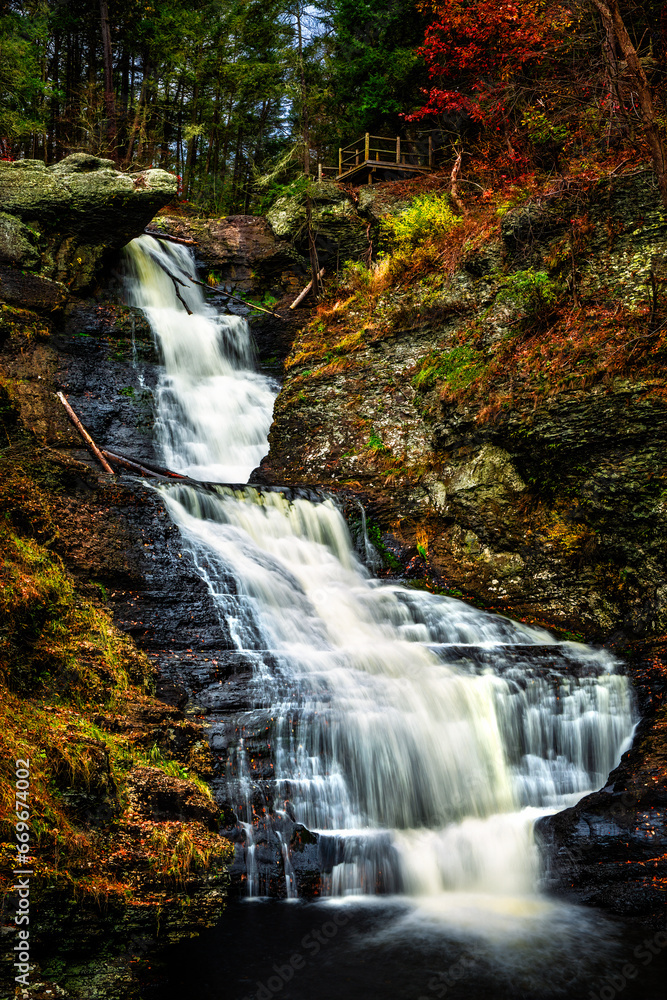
x=355 y=276
x=428 y=216
x=534 y=292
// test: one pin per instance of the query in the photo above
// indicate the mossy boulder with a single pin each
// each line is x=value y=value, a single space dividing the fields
x=64 y=221
x=339 y=220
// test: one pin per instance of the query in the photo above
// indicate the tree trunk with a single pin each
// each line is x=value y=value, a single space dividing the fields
x=312 y=250
x=228 y=127
x=192 y=143
x=54 y=135
x=167 y=129
x=109 y=96
x=237 y=167
x=124 y=86
x=612 y=19
x=138 y=114
x=304 y=103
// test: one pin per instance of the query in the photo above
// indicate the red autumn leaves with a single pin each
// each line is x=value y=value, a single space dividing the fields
x=476 y=49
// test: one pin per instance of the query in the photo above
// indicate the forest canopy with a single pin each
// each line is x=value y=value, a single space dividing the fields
x=241 y=97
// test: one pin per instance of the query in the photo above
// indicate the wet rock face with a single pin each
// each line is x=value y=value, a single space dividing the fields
x=101 y=356
x=108 y=368
x=63 y=222
x=242 y=251
x=610 y=849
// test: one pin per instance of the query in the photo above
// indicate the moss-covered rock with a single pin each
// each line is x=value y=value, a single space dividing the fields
x=18 y=243
x=345 y=223
x=64 y=221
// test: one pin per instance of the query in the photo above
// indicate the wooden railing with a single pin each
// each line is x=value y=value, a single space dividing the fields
x=383 y=149
x=322 y=170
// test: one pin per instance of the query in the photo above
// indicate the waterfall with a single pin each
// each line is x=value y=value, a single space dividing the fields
x=213 y=411
x=415 y=737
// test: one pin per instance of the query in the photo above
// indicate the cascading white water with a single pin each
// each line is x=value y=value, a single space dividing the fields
x=213 y=411
x=417 y=736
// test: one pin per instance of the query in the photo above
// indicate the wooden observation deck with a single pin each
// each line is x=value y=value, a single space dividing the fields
x=380 y=158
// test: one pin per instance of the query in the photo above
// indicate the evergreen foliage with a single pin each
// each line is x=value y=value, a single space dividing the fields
x=242 y=97
x=374 y=69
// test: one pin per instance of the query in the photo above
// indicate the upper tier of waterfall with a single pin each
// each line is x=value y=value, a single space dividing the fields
x=213 y=412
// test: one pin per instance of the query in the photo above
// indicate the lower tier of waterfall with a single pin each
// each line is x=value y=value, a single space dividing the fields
x=414 y=736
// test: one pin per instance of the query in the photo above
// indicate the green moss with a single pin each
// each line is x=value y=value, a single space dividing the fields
x=458 y=367
x=374 y=535
x=376 y=444
x=155 y=758
x=52 y=638
x=534 y=292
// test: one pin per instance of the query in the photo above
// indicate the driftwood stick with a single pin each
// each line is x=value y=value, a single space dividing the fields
x=181 y=299
x=156 y=471
x=85 y=435
x=176 y=281
x=251 y=305
x=236 y=298
x=308 y=287
x=133 y=466
x=170 y=239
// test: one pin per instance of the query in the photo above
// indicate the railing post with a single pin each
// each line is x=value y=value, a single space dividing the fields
x=356 y=157
x=430 y=151
x=367 y=148
x=319 y=172
x=340 y=161
x=398 y=149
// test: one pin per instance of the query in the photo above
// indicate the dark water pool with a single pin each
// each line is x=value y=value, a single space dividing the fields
x=393 y=950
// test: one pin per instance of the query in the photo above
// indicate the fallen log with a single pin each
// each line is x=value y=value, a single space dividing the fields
x=237 y=298
x=150 y=471
x=170 y=239
x=308 y=287
x=132 y=466
x=85 y=435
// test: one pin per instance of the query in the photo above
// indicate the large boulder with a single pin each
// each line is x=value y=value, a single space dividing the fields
x=345 y=223
x=64 y=221
x=242 y=251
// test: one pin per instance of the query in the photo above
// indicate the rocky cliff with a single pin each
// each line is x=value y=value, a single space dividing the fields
x=62 y=223
x=125 y=843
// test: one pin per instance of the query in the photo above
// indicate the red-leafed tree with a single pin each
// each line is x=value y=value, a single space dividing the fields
x=476 y=50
